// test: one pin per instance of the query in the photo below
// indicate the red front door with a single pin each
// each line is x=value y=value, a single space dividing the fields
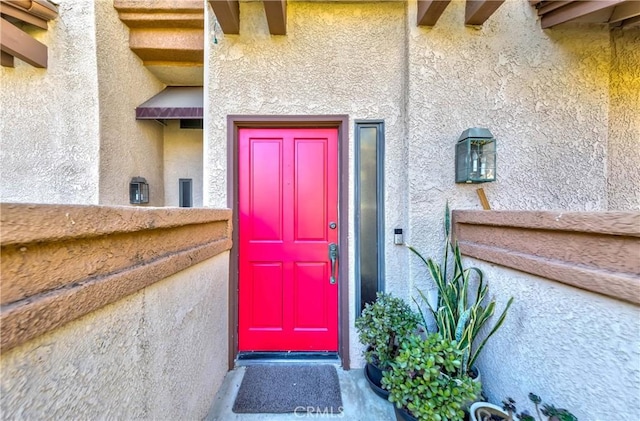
x=288 y=215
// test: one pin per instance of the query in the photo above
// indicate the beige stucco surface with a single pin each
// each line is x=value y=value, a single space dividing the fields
x=128 y=148
x=158 y=354
x=182 y=159
x=49 y=118
x=624 y=121
x=69 y=133
x=550 y=97
x=543 y=94
x=575 y=349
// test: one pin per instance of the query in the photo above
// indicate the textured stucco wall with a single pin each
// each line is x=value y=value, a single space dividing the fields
x=49 y=130
x=317 y=68
x=128 y=148
x=575 y=349
x=182 y=159
x=543 y=94
x=624 y=121
x=158 y=354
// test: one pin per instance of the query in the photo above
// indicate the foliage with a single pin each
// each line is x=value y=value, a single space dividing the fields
x=426 y=379
x=382 y=325
x=457 y=316
x=551 y=412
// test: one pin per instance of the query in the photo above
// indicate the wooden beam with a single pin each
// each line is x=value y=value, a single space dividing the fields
x=19 y=44
x=478 y=11
x=575 y=10
x=276 y=11
x=7 y=9
x=41 y=8
x=550 y=6
x=631 y=23
x=626 y=10
x=228 y=14
x=429 y=11
x=6 y=59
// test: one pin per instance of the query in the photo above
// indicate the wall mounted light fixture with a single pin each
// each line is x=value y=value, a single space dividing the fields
x=138 y=191
x=476 y=156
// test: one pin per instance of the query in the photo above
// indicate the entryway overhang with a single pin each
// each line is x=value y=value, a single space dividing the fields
x=616 y=13
x=174 y=102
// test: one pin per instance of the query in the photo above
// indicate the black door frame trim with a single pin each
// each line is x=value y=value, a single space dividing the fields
x=341 y=122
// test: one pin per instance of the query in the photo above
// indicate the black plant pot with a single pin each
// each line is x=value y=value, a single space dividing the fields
x=373 y=374
x=403 y=415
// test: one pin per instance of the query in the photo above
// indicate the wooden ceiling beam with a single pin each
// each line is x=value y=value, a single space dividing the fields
x=9 y=10
x=15 y=42
x=575 y=10
x=631 y=22
x=624 y=11
x=6 y=59
x=228 y=15
x=429 y=11
x=276 y=11
x=478 y=11
x=550 y=6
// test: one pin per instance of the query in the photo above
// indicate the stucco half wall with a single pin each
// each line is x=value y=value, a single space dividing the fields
x=158 y=354
x=112 y=312
x=571 y=335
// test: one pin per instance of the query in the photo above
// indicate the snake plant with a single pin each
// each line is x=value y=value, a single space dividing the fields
x=460 y=313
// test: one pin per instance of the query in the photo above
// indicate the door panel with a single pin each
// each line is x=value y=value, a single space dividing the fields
x=310 y=311
x=288 y=195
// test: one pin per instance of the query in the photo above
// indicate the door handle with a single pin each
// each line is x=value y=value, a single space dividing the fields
x=333 y=257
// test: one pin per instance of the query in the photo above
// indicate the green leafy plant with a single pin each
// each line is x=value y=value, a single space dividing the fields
x=426 y=379
x=551 y=412
x=460 y=314
x=383 y=325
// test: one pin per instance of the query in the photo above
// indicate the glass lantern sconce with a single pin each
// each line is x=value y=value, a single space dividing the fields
x=138 y=191
x=476 y=156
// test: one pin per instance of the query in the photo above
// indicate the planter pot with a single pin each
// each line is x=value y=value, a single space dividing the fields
x=478 y=377
x=373 y=374
x=485 y=411
x=403 y=415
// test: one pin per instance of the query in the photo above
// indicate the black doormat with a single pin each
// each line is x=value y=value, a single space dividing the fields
x=279 y=388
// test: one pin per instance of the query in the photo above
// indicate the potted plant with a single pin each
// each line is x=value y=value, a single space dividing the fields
x=381 y=327
x=460 y=314
x=484 y=411
x=427 y=382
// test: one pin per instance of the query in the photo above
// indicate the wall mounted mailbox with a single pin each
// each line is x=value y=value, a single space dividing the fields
x=476 y=156
x=138 y=191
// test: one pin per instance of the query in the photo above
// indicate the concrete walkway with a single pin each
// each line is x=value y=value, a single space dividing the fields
x=360 y=403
